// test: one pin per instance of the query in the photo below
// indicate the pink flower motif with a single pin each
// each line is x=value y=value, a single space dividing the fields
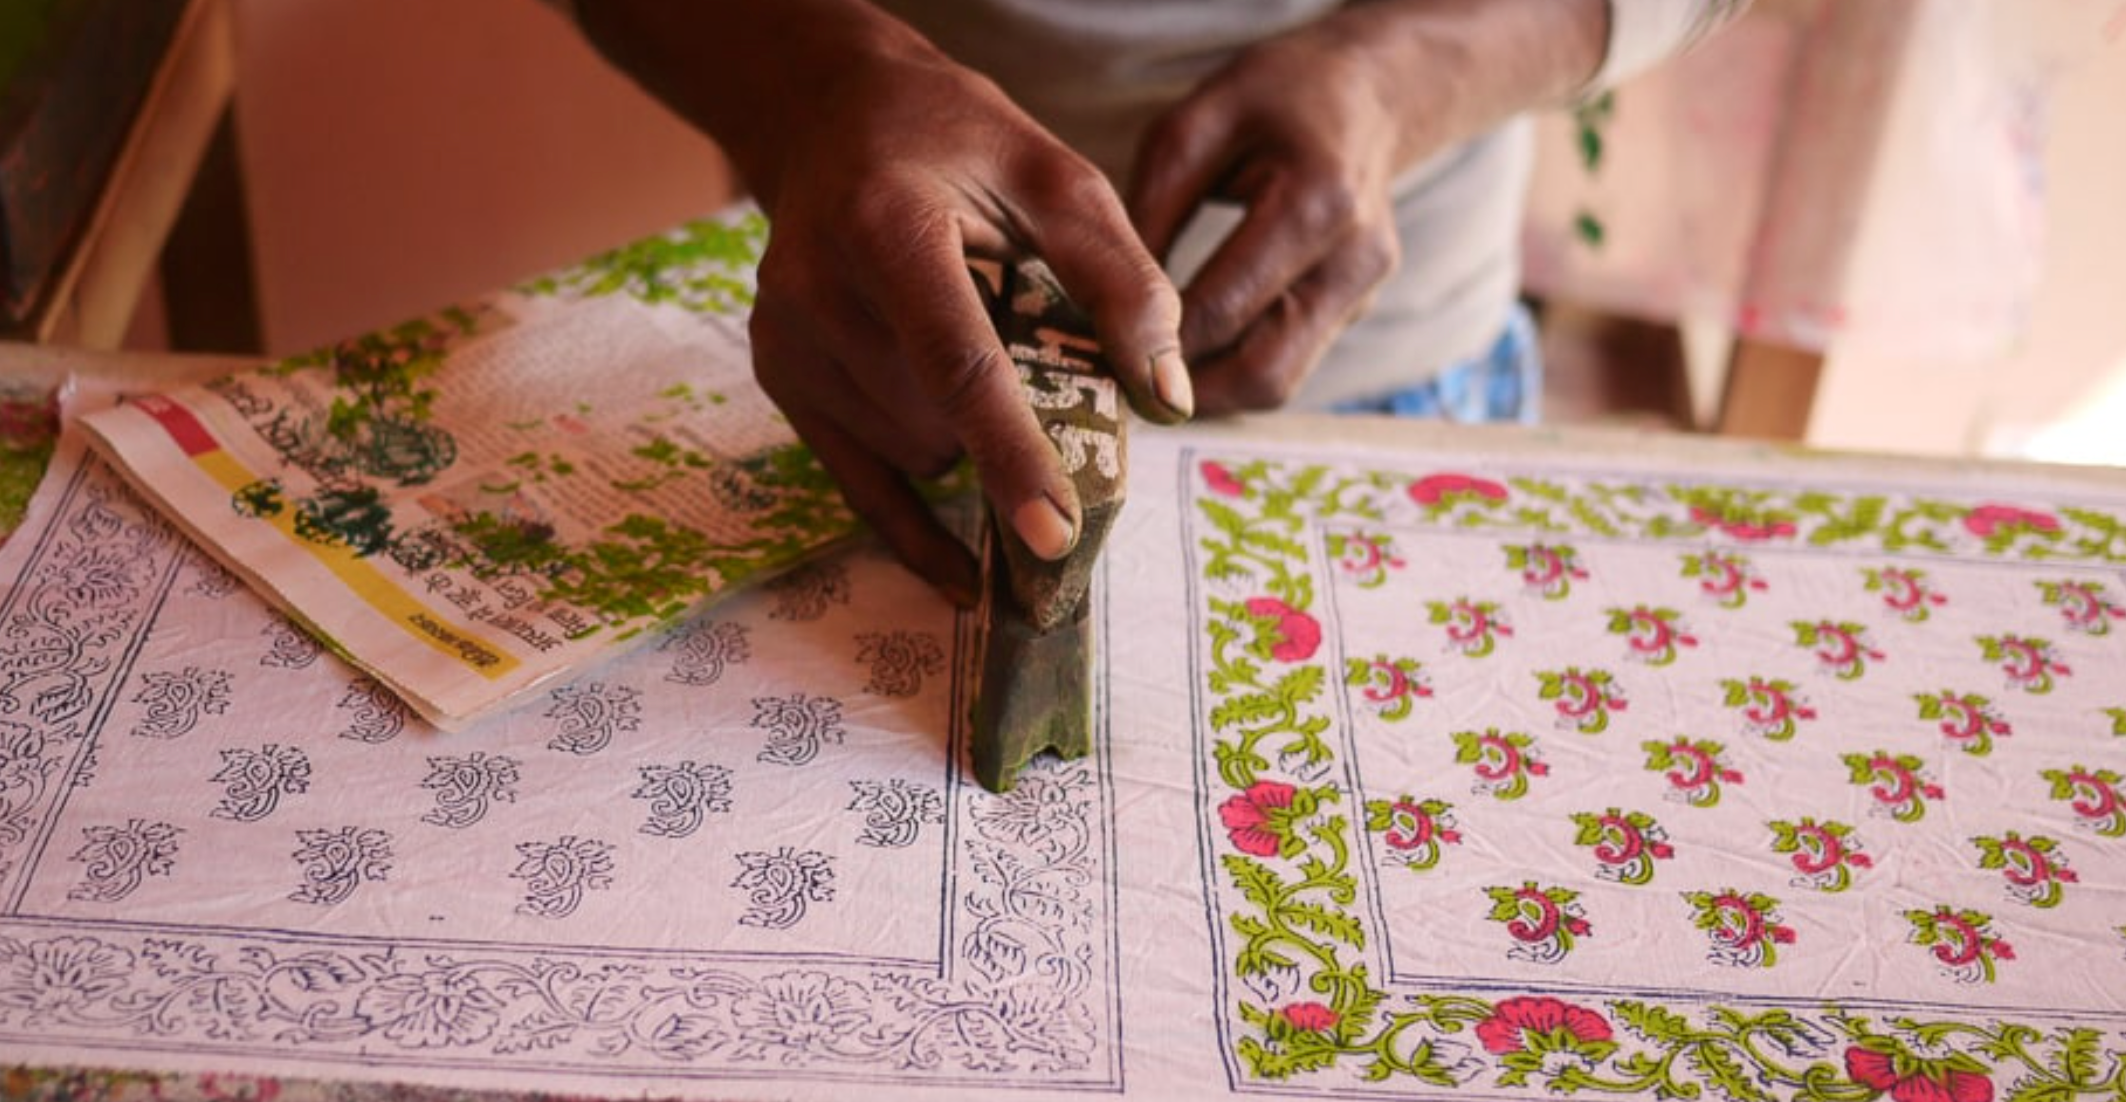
x=1221 y=480
x=1878 y=1071
x=1510 y=1023
x=1309 y=1017
x=1248 y=817
x=1985 y=520
x=1299 y=633
x=1411 y=826
x=1433 y=489
x=1742 y=529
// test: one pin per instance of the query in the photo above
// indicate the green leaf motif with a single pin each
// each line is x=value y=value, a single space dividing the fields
x=1300 y=686
x=1655 y=1024
x=1332 y=924
x=1719 y=1067
x=1734 y=693
x=1257 y=882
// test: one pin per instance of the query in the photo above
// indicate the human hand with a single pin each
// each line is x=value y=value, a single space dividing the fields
x=1308 y=131
x=883 y=166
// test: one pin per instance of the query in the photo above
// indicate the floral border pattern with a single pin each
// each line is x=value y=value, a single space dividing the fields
x=1305 y=1012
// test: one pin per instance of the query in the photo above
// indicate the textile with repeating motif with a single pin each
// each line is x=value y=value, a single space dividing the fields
x=1453 y=763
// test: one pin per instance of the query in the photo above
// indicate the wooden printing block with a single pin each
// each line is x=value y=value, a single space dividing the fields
x=1079 y=405
x=1035 y=691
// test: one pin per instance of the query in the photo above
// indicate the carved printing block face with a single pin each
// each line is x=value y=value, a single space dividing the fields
x=1076 y=399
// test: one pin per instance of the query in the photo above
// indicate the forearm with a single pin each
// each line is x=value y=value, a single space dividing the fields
x=1451 y=69
x=750 y=74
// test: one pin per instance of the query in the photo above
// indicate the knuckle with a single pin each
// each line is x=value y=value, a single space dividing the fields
x=876 y=205
x=1376 y=256
x=960 y=378
x=1324 y=205
x=1064 y=191
x=881 y=224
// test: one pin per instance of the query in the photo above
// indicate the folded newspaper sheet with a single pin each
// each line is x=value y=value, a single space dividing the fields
x=470 y=504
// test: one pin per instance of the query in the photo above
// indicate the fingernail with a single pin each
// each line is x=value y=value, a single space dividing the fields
x=1046 y=528
x=1170 y=383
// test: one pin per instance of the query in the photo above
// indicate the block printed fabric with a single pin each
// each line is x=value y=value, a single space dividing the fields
x=1418 y=773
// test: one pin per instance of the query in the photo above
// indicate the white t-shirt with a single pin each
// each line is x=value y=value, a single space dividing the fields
x=1095 y=72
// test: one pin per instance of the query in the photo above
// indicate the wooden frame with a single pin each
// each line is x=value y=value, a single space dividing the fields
x=182 y=136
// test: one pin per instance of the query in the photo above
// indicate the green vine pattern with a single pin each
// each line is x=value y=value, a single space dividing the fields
x=1635 y=1048
x=1310 y=1004
x=645 y=569
x=640 y=571
x=702 y=267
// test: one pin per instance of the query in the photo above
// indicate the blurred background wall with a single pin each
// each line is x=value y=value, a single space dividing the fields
x=401 y=154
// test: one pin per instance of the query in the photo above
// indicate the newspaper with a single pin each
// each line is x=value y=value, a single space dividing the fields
x=474 y=503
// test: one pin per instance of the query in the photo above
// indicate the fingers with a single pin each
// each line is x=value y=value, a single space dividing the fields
x=953 y=352
x=1079 y=227
x=1180 y=161
x=1301 y=207
x=884 y=500
x=867 y=451
x=843 y=363
x=1296 y=220
x=1265 y=367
